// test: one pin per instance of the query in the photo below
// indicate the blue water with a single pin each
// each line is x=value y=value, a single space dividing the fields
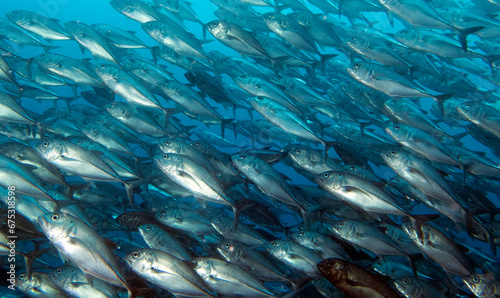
x=97 y=11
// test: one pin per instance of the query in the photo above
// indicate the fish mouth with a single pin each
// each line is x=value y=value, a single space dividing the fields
x=42 y=220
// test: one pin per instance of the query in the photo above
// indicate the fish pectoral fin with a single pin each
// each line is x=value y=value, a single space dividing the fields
x=159 y=271
x=417 y=172
x=353 y=283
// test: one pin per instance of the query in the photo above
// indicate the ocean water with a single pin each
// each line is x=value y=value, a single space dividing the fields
x=97 y=11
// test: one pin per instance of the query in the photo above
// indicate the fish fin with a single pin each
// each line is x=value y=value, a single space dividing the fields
x=30 y=258
x=418 y=220
x=462 y=35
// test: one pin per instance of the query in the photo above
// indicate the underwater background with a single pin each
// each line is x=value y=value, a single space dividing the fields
x=335 y=109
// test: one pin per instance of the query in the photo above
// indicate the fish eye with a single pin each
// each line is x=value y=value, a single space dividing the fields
x=326 y=175
x=219 y=220
x=103 y=66
x=405 y=281
x=6 y=146
x=476 y=279
x=45 y=144
x=357 y=65
x=43 y=55
x=294 y=15
x=14 y=12
x=355 y=38
x=132 y=60
x=80 y=142
x=352 y=168
x=166 y=82
x=58 y=271
x=135 y=254
x=242 y=156
x=397 y=127
x=298 y=151
x=260 y=98
x=273 y=244
x=468 y=105
x=72 y=22
x=301 y=233
x=124 y=216
x=167 y=143
x=393 y=152
x=164 y=156
x=148 y=228
x=243 y=76
x=113 y=105
x=404 y=31
x=340 y=224
x=55 y=217
x=21 y=276
x=444 y=9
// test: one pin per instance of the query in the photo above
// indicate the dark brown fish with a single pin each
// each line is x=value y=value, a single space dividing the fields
x=353 y=280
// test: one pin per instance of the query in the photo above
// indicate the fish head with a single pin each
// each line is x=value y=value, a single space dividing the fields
x=148 y=230
x=140 y=260
x=67 y=274
x=222 y=224
x=300 y=17
x=203 y=266
x=75 y=28
x=218 y=28
x=49 y=61
x=357 y=42
x=270 y=17
x=230 y=250
x=168 y=162
x=260 y=103
x=56 y=226
x=50 y=150
x=168 y=216
x=330 y=180
x=335 y=270
x=396 y=131
x=343 y=228
x=406 y=285
x=469 y=109
x=20 y=17
x=359 y=70
x=152 y=28
x=116 y=109
x=394 y=157
x=302 y=237
x=406 y=36
x=278 y=248
x=130 y=62
x=171 y=146
x=11 y=149
x=392 y=105
x=481 y=284
x=300 y=154
x=24 y=284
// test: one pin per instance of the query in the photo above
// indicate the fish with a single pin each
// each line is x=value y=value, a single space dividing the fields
x=129 y=141
x=353 y=280
x=81 y=244
x=228 y=278
x=167 y=272
x=43 y=26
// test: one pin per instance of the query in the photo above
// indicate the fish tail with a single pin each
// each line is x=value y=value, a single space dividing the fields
x=441 y=98
x=463 y=33
x=418 y=220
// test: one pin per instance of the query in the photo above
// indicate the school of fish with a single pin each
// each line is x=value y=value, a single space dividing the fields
x=335 y=148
